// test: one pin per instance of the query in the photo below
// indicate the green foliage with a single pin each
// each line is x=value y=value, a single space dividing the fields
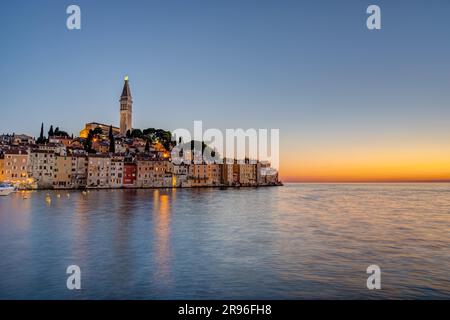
x=50 y=132
x=136 y=133
x=41 y=138
x=159 y=135
x=97 y=131
x=88 y=141
x=60 y=133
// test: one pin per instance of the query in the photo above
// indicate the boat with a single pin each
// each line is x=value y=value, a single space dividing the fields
x=6 y=189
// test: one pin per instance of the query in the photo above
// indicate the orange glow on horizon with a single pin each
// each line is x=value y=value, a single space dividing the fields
x=382 y=164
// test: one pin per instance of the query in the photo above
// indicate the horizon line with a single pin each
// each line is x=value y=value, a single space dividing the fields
x=364 y=181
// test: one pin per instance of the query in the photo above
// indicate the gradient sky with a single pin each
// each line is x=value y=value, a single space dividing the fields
x=351 y=104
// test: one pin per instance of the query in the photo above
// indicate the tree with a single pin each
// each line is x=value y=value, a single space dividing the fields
x=112 y=141
x=147 y=147
x=97 y=131
x=136 y=133
x=50 y=132
x=60 y=133
x=88 y=141
x=41 y=138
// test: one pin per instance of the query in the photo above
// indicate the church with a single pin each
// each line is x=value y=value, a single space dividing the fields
x=126 y=115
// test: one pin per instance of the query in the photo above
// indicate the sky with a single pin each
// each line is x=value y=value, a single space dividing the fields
x=351 y=104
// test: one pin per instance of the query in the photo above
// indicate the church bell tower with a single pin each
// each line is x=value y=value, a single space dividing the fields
x=126 y=104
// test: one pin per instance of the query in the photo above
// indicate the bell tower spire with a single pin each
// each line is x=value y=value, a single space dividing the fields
x=126 y=106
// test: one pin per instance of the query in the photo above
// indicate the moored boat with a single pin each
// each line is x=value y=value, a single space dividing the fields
x=6 y=189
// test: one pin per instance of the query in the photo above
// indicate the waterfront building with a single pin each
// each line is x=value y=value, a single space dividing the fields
x=41 y=166
x=180 y=175
x=98 y=171
x=2 y=167
x=116 y=171
x=15 y=166
x=79 y=170
x=129 y=177
x=153 y=172
x=202 y=174
x=227 y=173
x=126 y=105
x=62 y=177
x=246 y=172
x=214 y=174
x=265 y=174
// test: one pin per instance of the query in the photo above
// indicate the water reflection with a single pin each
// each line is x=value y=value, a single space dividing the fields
x=298 y=241
x=161 y=212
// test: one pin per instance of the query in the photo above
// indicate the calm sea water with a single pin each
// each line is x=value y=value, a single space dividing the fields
x=293 y=242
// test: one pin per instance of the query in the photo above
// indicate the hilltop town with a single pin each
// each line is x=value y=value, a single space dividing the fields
x=104 y=156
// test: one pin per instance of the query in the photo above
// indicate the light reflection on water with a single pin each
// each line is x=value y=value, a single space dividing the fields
x=291 y=242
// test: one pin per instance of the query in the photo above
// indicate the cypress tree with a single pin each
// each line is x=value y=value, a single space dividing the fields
x=50 y=132
x=112 y=142
x=41 y=135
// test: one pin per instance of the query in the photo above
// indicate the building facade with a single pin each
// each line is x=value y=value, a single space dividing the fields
x=116 y=172
x=129 y=177
x=79 y=171
x=246 y=173
x=15 y=166
x=62 y=177
x=41 y=167
x=2 y=167
x=153 y=173
x=98 y=171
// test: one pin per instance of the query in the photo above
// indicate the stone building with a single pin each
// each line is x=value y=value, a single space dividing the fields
x=62 y=176
x=2 y=167
x=98 y=171
x=41 y=167
x=205 y=174
x=15 y=168
x=246 y=173
x=180 y=175
x=116 y=172
x=79 y=170
x=129 y=177
x=227 y=173
x=153 y=172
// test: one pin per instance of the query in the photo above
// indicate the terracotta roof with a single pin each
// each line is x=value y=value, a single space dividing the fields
x=98 y=156
x=42 y=151
x=16 y=151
